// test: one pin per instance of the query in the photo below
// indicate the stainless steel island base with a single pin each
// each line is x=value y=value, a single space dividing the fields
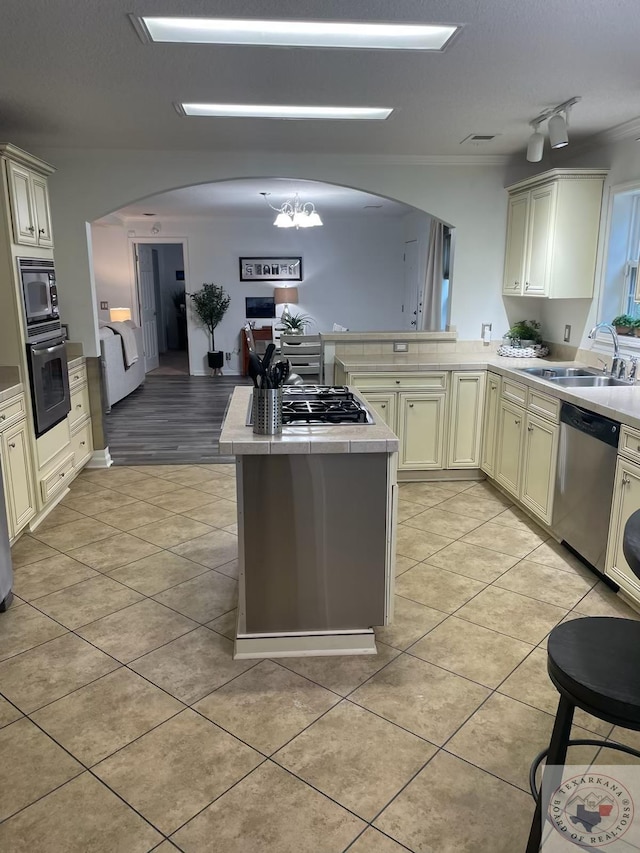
x=316 y=541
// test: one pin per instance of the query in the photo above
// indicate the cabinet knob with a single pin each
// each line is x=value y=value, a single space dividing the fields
x=411 y=405
x=625 y=479
x=12 y=445
x=494 y=387
x=526 y=285
x=638 y=448
x=529 y=428
x=82 y=443
x=40 y=230
x=4 y=417
x=384 y=406
x=516 y=284
x=31 y=228
x=397 y=381
x=62 y=474
x=517 y=423
x=78 y=405
x=75 y=377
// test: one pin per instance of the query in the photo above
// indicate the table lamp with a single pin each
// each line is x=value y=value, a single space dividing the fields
x=286 y=296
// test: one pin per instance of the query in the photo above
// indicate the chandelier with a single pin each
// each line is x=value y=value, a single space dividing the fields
x=293 y=213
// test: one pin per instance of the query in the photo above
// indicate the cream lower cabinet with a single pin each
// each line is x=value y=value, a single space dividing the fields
x=490 y=424
x=18 y=477
x=421 y=429
x=509 y=446
x=466 y=400
x=539 y=458
x=626 y=500
x=384 y=405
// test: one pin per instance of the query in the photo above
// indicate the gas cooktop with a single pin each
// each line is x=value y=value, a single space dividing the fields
x=320 y=405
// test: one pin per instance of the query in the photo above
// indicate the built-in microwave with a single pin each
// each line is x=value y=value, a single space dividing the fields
x=39 y=298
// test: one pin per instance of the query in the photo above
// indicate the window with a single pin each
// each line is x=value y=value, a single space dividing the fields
x=621 y=288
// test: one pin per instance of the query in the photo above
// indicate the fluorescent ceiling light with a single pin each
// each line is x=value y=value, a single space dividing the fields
x=262 y=111
x=295 y=33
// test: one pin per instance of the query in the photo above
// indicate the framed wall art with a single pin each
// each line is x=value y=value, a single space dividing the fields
x=270 y=269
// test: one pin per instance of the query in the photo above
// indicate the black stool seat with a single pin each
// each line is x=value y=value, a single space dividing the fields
x=595 y=663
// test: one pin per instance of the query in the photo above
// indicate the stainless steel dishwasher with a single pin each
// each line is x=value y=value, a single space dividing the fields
x=584 y=482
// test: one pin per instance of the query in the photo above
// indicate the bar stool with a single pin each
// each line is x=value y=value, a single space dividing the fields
x=594 y=665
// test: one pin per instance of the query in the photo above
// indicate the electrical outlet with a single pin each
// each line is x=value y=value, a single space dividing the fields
x=104 y=306
x=227 y=355
x=400 y=347
x=485 y=333
x=567 y=334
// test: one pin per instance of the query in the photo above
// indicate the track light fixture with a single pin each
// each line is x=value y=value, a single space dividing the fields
x=558 y=136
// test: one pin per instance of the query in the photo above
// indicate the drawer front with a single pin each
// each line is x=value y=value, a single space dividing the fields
x=400 y=381
x=12 y=411
x=545 y=406
x=82 y=445
x=79 y=406
x=630 y=443
x=57 y=479
x=514 y=392
x=78 y=376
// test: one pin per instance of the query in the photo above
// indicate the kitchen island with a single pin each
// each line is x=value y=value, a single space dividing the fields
x=316 y=534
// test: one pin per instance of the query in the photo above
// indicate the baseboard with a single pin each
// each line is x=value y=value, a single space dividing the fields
x=100 y=459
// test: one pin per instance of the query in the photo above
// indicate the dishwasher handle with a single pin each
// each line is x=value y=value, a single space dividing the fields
x=596 y=426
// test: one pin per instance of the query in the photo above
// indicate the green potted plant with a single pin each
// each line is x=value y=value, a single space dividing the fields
x=210 y=304
x=295 y=324
x=525 y=333
x=624 y=324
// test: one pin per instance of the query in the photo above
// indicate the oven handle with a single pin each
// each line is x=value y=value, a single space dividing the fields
x=47 y=346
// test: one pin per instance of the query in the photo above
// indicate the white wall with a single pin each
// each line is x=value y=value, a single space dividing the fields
x=352 y=270
x=92 y=183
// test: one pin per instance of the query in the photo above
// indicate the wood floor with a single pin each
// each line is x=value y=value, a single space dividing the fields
x=172 y=420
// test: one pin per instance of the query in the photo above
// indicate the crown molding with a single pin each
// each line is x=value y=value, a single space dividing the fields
x=618 y=133
x=427 y=159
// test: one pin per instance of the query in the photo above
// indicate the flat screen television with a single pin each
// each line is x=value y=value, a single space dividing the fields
x=260 y=307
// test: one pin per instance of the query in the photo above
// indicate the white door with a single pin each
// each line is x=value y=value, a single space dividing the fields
x=147 y=302
x=410 y=295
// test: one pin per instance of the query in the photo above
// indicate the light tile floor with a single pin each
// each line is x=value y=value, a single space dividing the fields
x=125 y=724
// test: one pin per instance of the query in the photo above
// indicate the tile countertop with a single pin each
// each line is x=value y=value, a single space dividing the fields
x=238 y=439
x=621 y=403
x=10 y=384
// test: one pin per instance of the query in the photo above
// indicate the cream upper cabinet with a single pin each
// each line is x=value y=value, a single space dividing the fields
x=539 y=458
x=509 y=447
x=465 y=419
x=30 y=209
x=421 y=422
x=517 y=222
x=384 y=406
x=626 y=500
x=490 y=424
x=552 y=234
x=18 y=477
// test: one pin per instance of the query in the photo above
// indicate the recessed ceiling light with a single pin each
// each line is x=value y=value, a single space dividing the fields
x=268 y=111
x=295 y=33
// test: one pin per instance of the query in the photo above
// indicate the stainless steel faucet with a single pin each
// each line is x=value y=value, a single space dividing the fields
x=617 y=363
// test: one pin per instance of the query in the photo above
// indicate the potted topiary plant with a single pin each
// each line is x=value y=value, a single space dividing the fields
x=210 y=304
x=624 y=324
x=295 y=324
x=525 y=333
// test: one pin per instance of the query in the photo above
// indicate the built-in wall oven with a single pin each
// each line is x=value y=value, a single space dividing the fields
x=46 y=349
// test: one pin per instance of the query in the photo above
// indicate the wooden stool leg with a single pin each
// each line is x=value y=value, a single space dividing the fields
x=556 y=758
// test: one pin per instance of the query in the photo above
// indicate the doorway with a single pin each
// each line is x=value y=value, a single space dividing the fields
x=161 y=286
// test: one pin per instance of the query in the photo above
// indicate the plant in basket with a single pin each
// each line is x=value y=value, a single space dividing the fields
x=524 y=333
x=624 y=324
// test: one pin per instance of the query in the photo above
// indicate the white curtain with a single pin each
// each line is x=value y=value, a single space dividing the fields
x=431 y=296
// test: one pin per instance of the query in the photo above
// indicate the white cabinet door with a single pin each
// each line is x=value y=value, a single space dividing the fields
x=541 y=227
x=626 y=500
x=42 y=210
x=517 y=221
x=465 y=423
x=508 y=452
x=17 y=477
x=421 y=421
x=22 y=212
x=384 y=407
x=490 y=425
x=539 y=457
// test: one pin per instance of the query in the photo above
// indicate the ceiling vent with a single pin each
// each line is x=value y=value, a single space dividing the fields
x=479 y=138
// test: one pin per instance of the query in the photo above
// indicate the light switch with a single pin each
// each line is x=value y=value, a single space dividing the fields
x=104 y=306
x=567 y=333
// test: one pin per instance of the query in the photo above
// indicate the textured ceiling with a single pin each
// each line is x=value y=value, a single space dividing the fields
x=75 y=74
x=242 y=197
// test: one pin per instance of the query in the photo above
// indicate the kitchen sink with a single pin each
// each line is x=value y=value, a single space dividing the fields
x=587 y=381
x=557 y=372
